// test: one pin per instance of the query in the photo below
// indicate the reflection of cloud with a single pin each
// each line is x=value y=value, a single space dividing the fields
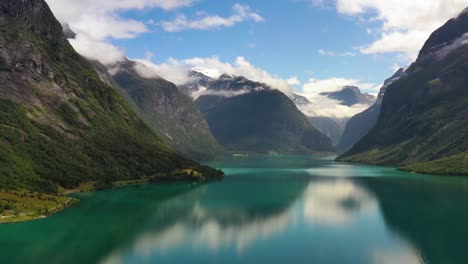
x=335 y=203
x=406 y=255
x=215 y=234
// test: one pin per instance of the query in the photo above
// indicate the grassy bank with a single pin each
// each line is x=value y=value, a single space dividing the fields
x=453 y=165
x=23 y=205
x=16 y=206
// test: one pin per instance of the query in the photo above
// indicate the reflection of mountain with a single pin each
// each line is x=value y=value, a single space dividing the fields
x=431 y=214
x=212 y=226
x=221 y=218
x=103 y=222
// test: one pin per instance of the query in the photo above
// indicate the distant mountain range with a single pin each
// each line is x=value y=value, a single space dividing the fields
x=350 y=95
x=423 y=120
x=359 y=125
x=333 y=127
x=248 y=116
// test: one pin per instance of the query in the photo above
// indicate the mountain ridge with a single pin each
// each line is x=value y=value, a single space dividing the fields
x=423 y=115
x=60 y=125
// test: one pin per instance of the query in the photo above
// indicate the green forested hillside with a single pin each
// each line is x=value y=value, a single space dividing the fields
x=424 y=114
x=59 y=123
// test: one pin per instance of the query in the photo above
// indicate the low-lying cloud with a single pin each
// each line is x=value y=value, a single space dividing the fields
x=178 y=71
x=446 y=50
x=323 y=106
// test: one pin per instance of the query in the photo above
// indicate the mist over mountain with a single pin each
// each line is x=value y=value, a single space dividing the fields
x=248 y=116
x=60 y=125
x=343 y=99
x=359 y=125
x=166 y=109
x=350 y=95
x=423 y=114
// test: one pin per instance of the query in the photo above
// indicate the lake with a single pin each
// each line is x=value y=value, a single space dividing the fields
x=284 y=209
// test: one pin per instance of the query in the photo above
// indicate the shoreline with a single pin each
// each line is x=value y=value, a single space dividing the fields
x=67 y=201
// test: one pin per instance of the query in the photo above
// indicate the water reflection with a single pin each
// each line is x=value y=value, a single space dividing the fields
x=336 y=202
x=303 y=211
x=325 y=204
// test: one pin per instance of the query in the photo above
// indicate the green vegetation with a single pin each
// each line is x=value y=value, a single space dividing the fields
x=262 y=122
x=64 y=126
x=453 y=165
x=169 y=112
x=423 y=124
x=25 y=205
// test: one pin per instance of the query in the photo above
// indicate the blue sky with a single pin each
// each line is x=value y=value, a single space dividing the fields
x=286 y=44
x=320 y=44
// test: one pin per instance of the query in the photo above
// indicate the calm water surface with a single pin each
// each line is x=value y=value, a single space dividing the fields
x=266 y=210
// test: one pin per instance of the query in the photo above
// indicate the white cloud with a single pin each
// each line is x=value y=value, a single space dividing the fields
x=214 y=67
x=241 y=13
x=326 y=107
x=97 y=21
x=326 y=52
x=406 y=25
x=294 y=81
x=98 y=50
x=178 y=71
x=333 y=54
x=172 y=70
x=317 y=86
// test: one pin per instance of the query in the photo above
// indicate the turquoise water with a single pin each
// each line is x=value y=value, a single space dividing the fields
x=266 y=210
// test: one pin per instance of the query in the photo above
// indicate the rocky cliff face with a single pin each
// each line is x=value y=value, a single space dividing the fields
x=168 y=111
x=423 y=114
x=59 y=123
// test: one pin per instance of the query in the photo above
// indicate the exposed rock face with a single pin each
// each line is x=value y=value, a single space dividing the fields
x=247 y=116
x=359 y=125
x=59 y=123
x=168 y=111
x=423 y=114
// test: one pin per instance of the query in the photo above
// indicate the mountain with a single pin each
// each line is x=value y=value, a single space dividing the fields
x=166 y=109
x=199 y=82
x=350 y=95
x=359 y=125
x=333 y=127
x=60 y=125
x=299 y=100
x=330 y=126
x=423 y=114
x=247 y=116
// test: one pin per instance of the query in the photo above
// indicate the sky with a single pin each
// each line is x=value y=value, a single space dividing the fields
x=303 y=46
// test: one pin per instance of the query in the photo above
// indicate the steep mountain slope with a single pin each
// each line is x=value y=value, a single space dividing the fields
x=423 y=116
x=199 y=82
x=59 y=123
x=331 y=126
x=168 y=111
x=351 y=95
x=359 y=125
x=247 y=116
